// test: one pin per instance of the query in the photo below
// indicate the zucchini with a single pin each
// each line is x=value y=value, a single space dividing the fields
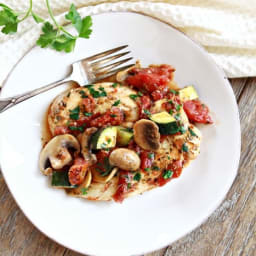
x=60 y=180
x=188 y=93
x=124 y=136
x=167 y=124
x=104 y=138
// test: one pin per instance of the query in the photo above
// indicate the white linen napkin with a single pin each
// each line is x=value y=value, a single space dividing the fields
x=225 y=28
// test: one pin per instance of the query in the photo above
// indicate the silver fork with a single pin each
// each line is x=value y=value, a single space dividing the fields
x=85 y=71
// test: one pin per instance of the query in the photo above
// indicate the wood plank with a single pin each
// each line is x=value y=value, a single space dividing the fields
x=231 y=229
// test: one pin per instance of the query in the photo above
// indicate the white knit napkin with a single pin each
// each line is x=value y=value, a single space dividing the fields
x=225 y=28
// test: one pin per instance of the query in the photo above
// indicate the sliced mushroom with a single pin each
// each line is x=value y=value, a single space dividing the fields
x=85 y=150
x=57 y=153
x=125 y=159
x=98 y=178
x=146 y=134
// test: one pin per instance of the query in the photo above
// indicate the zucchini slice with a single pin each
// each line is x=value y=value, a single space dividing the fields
x=60 y=180
x=167 y=124
x=188 y=93
x=104 y=138
x=124 y=136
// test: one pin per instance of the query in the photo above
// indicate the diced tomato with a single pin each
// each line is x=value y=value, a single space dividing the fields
x=146 y=160
x=115 y=116
x=89 y=104
x=124 y=186
x=102 y=157
x=133 y=146
x=144 y=103
x=79 y=161
x=197 y=112
x=176 y=167
x=59 y=130
x=150 y=78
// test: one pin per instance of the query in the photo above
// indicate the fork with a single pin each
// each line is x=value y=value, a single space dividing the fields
x=85 y=71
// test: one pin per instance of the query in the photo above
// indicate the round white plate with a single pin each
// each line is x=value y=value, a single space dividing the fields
x=142 y=223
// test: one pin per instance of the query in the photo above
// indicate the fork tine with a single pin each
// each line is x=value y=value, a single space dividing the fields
x=108 y=68
x=114 y=71
x=108 y=59
x=103 y=54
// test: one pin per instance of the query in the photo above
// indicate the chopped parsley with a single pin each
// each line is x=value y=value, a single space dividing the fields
x=83 y=95
x=74 y=113
x=191 y=132
x=95 y=93
x=108 y=141
x=167 y=174
x=170 y=101
x=129 y=185
x=182 y=129
x=68 y=94
x=147 y=112
x=147 y=169
x=140 y=94
x=155 y=168
x=168 y=157
x=112 y=115
x=116 y=103
x=151 y=155
x=87 y=114
x=171 y=112
x=185 y=148
x=76 y=128
x=174 y=92
x=178 y=107
x=133 y=96
x=177 y=116
x=114 y=85
x=137 y=176
x=84 y=191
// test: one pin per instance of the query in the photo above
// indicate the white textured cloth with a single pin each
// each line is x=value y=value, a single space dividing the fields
x=225 y=28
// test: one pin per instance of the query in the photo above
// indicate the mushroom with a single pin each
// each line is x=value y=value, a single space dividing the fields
x=57 y=153
x=146 y=135
x=98 y=178
x=85 y=150
x=125 y=159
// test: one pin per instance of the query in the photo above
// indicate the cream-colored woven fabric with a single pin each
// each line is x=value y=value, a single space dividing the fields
x=225 y=28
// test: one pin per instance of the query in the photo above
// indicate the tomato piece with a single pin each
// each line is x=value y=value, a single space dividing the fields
x=115 y=116
x=124 y=186
x=197 y=112
x=89 y=104
x=79 y=161
x=144 y=103
x=146 y=160
x=150 y=78
x=176 y=167
x=59 y=130
x=133 y=146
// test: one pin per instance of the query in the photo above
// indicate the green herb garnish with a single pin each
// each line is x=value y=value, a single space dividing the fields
x=129 y=185
x=83 y=94
x=140 y=94
x=133 y=96
x=114 y=85
x=151 y=155
x=116 y=103
x=192 y=132
x=147 y=169
x=74 y=113
x=171 y=112
x=137 y=176
x=182 y=129
x=185 y=148
x=167 y=174
x=178 y=107
x=84 y=191
x=147 y=112
x=112 y=115
x=87 y=114
x=174 y=92
x=155 y=168
x=97 y=94
x=76 y=128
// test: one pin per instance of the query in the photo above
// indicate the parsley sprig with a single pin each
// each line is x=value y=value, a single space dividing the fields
x=54 y=35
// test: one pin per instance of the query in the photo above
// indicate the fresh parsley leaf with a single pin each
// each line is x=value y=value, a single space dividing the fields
x=83 y=94
x=147 y=112
x=167 y=174
x=74 y=17
x=191 y=132
x=112 y=115
x=147 y=169
x=97 y=94
x=85 y=30
x=140 y=94
x=174 y=92
x=74 y=113
x=36 y=18
x=114 y=85
x=178 y=107
x=129 y=185
x=48 y=36
x=137 y=176
x=8 y=19
x=76 y=128
x=185 y=148
x=116 y=103
x=64 y=43
x=155 y=168
x=133 y=96
x=171 y=112
x=182 y=129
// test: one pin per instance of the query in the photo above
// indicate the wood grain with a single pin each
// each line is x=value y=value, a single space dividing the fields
x=230 y=230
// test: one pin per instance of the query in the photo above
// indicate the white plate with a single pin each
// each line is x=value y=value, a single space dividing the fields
x=142 y=223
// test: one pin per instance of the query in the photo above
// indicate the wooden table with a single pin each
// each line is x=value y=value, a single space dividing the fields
x=230 y=230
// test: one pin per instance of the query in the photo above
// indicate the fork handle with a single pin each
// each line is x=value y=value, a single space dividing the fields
x=12 y=101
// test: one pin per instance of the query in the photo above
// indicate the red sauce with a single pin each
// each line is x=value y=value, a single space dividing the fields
x=197 y=112
x=77 y=171
x=89 y=104
x=150 y=79
x=144 y=103
x=124 y=186
x=147 y=159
